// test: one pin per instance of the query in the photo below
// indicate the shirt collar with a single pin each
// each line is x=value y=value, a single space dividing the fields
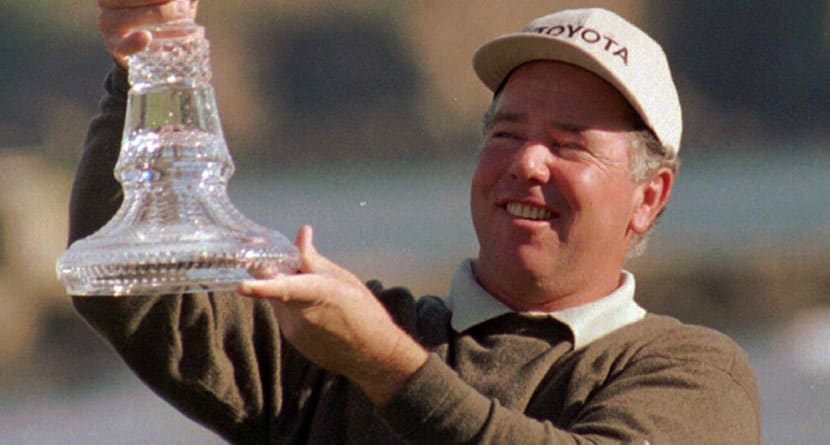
x=471 y=304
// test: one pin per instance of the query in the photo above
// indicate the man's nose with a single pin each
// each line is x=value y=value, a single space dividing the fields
x=532 y=163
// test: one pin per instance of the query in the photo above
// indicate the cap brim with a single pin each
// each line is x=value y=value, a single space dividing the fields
x=494 y=61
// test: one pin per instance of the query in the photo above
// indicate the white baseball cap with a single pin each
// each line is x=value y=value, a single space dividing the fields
x=603 y=43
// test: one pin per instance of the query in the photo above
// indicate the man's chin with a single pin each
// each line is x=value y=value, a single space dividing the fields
x=526 y=261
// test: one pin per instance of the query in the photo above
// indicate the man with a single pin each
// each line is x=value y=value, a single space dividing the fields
x=539 y=339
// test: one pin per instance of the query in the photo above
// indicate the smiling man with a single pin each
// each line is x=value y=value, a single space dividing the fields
x=539 y=340
x=554 y=203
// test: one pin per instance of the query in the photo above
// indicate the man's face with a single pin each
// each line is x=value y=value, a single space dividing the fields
x=552 y=198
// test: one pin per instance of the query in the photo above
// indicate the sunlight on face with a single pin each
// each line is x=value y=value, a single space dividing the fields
x=552 y=197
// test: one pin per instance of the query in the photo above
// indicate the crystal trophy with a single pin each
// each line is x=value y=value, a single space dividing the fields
x=176 y=230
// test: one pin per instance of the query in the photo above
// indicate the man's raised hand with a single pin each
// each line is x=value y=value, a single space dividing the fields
x=120 y=20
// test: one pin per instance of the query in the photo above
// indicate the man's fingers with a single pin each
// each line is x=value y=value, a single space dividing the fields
x=127 y=4
x=305 y=244
x=119 y=4
x=122 y=21
x=314 y=262
x=131 y=44
x=122 y=47
x=302 y=289
x=305 y=238
x=119 y=19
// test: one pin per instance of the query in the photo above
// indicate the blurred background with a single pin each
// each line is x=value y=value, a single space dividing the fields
x=362 y=118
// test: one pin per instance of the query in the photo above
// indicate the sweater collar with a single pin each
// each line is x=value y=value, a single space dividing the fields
x=471 y=305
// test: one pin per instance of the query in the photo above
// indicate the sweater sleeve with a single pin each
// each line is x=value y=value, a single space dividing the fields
x=679 y=390
x=213 y=357
x=217 y=358
x=436 y=406
x=96 y=195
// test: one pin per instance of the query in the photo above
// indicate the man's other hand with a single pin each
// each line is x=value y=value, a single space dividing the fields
x=335 y=321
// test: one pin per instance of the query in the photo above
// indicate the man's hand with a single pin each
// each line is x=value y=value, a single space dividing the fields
x=336 y=322
x=119 y=20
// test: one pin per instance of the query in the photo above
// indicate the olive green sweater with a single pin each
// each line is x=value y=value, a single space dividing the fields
x=514 y=379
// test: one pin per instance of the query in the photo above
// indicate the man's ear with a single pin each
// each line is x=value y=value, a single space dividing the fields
x=653 y=195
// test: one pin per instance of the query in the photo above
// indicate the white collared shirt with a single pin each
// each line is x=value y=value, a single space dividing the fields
x=470 y=305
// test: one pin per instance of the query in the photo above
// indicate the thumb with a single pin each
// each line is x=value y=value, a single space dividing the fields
x=314 y=262
x=308 y=253
x=305 y=239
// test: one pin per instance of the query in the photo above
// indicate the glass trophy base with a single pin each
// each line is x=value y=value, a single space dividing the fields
x=133 y=265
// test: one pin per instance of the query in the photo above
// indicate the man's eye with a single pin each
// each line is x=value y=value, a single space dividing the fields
x=504 y=135
x=569 y=146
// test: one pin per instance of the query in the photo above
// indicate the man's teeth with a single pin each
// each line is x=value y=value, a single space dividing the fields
x=529 y=212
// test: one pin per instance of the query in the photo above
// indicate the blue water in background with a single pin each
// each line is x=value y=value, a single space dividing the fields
x=417 y=211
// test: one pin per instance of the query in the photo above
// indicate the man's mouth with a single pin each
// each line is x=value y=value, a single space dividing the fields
x=527 y=211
